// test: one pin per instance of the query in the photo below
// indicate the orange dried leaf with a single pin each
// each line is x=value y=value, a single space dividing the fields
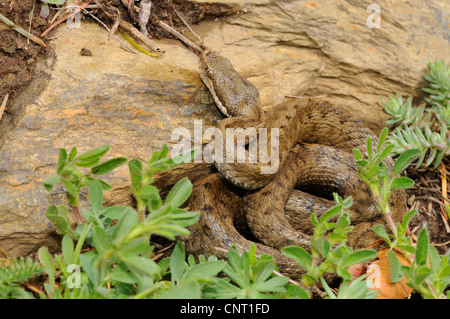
x=378 y=274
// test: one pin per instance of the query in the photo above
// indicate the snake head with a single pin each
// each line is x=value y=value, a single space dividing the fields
x=234 y=95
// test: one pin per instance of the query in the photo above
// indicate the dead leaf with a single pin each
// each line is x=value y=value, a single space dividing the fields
x=378 y=274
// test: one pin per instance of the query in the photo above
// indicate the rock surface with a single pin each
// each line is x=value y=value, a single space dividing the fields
x=134 y=102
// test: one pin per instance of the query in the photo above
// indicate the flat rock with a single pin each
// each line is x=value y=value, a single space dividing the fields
x=134 y=102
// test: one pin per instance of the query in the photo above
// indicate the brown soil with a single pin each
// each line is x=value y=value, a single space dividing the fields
x=18 y=54
x=426 y=197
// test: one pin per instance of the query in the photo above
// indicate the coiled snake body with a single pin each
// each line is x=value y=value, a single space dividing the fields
x=315 y=153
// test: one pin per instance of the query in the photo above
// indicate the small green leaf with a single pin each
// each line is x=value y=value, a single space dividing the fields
x=51 y=181
x=395 y=269
x=402 y=182
x=120 y=275
x=333 y=211
x=421 y=274
x=297 y=292
x=89 y=262
x=381 y=231
x=369 y=146
x=100 y=239
x=179 y=193
x=357 y=153
x=204 y=271
x=61 y=160
x=95 y=195
x=142 y=265
x=49 y=264
x=114 y=212
x=129 y=220
x=382 y=139
x=135 y=168
x=177 y=262
x=435 y=259
x=91 y=158
x=408 y=218
x=148 y=192
x=67 y=249
x=379 y=157
x=359 y=256
x=108 y=165
x=300 y=255
x=164 y=151
x=70 y=187
x=190 y=290
x=422 y=247
x=406 y=158
x=314 y=220
x=60 y=221
x=72 y=154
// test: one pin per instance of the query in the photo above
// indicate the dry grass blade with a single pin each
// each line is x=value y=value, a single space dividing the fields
x=3 y=106
x=137 y=46
x=137 y=34
x=116 y=24
x=180 y=36
x=23 y=32
x=188 y=26
x=115 y=36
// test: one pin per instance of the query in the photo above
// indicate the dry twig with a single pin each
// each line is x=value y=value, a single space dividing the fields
x=180 y=36
x=3 y=106
x=187 y=25
x=137 y=34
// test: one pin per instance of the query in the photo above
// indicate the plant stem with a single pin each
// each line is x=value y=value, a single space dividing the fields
x=80 y=243
x=391 y=223
x=141 y=209
x=76 y=212
x=150 y=290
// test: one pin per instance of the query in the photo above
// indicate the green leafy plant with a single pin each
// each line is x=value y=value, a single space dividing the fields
x=73 y=180
x=428 y=273
x=121 y=252
x=439 y=79
x=423 y=127
x=330 y=254
x=146 y=194
x=351 y=289
x=120 y=264
x=188 y=278
x=15 y=271
x=377 y=176
x=251 y=277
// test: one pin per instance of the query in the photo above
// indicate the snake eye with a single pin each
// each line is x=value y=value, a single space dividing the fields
x=210 y=72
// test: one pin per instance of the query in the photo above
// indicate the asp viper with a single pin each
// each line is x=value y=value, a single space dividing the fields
x=315 y=147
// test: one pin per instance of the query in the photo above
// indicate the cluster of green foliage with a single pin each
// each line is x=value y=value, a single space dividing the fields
x=430 y=280
x=118 y=263
x=424 y=127
x=330 y=254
